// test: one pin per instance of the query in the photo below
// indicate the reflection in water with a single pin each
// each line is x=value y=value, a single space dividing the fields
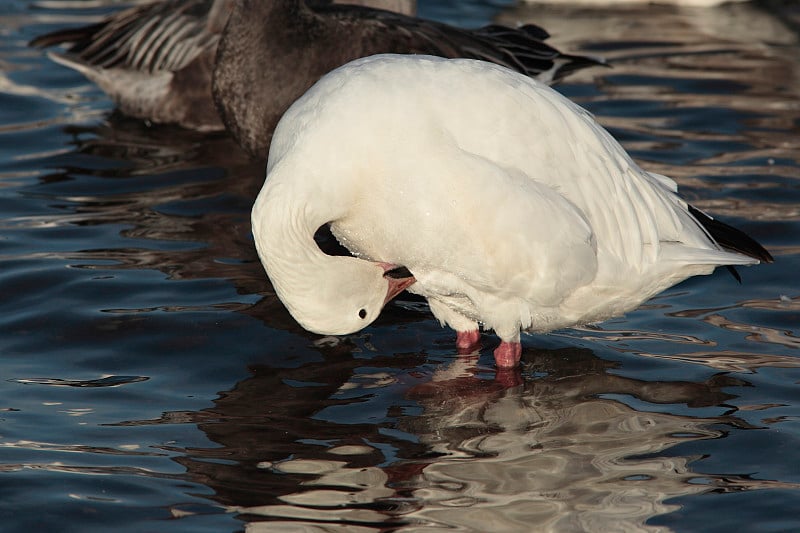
x=560 y=451
x=557 y=452
x=271 y=436
x=182 y=202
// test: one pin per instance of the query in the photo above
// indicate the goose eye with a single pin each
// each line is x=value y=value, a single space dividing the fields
x=362 y=313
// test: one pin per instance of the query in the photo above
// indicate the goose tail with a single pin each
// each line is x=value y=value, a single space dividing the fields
x=526 y=51
x=731 y=239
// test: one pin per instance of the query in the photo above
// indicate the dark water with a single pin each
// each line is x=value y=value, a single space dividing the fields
x=152 y=382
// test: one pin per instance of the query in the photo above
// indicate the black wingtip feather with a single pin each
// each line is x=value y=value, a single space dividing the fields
x=731 y=238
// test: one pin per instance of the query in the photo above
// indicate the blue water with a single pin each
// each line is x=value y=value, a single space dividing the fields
x=152 y=382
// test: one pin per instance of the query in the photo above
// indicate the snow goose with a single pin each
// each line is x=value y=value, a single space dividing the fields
x=156 y=60
x=497 y=199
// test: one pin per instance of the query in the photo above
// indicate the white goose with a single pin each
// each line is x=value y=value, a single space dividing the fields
x=510 y=206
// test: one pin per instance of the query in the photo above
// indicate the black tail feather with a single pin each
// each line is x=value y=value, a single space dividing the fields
x=731 y=239
x=734 y=273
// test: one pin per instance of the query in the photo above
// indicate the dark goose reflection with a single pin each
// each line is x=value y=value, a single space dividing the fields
x=183 y=202
x=557 y=445
x=166 y=185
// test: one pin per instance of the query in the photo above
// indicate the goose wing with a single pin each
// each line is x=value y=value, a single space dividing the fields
x=522 y=49
x=161 y=36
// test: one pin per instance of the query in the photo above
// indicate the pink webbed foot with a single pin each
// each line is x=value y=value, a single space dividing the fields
x=508 y=354
x=467 y=341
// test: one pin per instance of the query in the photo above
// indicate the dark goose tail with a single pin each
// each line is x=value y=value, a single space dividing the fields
x=731 y=239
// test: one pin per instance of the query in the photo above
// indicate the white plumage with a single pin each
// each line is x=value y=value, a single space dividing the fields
x=509 y=204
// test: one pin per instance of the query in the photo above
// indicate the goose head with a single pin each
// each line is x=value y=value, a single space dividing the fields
x=344 y=295
x=325 y=294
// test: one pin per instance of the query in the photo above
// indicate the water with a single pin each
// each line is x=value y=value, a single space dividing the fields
x=152 y=382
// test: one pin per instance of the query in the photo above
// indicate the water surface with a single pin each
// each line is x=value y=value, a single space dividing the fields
x=152 y=382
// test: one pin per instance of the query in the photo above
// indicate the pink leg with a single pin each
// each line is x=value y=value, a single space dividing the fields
x=507 y=355
x=467 y=341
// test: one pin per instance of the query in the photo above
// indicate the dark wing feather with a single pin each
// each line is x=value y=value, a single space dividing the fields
x=522 y=49
x=162 y=36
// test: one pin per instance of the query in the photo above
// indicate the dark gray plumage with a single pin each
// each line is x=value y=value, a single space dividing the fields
x=272 y=52
x=156 y=60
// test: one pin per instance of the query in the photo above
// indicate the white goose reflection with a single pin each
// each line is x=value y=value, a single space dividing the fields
x=517 y=453
x=553 y=453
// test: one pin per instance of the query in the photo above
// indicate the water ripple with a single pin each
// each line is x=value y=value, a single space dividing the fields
x=108 y=381
x=126 y=254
